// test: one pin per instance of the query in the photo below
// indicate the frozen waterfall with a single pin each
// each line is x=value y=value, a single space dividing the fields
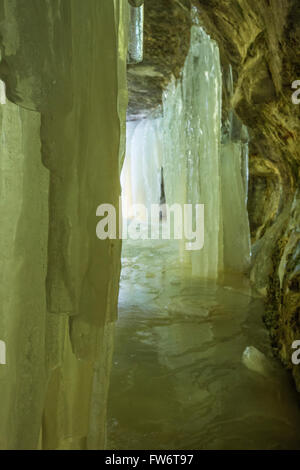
x=199 y=166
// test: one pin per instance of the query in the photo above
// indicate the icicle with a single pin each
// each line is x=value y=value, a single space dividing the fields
x=197 y=167
x=136 y=32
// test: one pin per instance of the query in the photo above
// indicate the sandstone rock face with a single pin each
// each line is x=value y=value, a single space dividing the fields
x=260 y=40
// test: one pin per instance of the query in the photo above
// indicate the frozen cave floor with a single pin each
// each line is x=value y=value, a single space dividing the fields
x=180 y=379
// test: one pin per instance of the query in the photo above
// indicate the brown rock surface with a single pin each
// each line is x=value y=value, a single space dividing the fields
x=166 y=44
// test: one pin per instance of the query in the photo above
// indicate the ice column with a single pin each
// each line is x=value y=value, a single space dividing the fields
x=136 y=32
x=202 y=166
x=234 y=183
x=192 y=129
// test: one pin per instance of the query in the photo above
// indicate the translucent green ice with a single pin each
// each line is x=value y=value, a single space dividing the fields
x=62 y=140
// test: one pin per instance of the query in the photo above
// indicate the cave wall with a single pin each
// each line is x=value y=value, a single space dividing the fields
x=62 y=140
x=261 y=41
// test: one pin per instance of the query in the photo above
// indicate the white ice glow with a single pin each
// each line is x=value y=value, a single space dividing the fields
x=140 y=178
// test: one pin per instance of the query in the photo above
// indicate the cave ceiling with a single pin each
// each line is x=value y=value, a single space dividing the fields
x=166 y=44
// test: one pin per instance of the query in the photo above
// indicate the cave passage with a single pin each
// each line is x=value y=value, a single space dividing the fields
x=190 y=102
x=193 y=367
x=179 y=376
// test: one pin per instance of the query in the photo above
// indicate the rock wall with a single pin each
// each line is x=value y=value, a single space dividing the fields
x=166 y=44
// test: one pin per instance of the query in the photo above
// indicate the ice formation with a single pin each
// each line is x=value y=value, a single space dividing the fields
x=192 y=132
x=136 y=31
x=62 y=129
x=200 y=164
x=141 y=173
x=62 y=146
x=236 y=233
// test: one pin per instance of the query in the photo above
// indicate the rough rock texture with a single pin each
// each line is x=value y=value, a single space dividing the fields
x=166 y=44
x=261 y=41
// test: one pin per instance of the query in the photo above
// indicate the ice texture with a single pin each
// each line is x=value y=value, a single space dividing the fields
x=136 y=32
x=236 y=232
x=62 y=144
x=200 y=165
x=23 y=246
x=178 y=355
x=192 y=134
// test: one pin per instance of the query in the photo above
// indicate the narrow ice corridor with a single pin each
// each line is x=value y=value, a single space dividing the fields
x=150 y=227
x=193 y=367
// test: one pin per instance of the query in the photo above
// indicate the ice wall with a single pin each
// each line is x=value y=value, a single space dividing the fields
x=24 y=228
x=62 y=141
x=200 y=166
x=234 y=188
x=201 y=163
x=192 y=129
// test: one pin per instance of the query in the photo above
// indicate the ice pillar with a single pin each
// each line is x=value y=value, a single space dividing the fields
x=136 y=32
x=236 y=232
x=192 y=130
x=200 y=164
x=234 y=189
